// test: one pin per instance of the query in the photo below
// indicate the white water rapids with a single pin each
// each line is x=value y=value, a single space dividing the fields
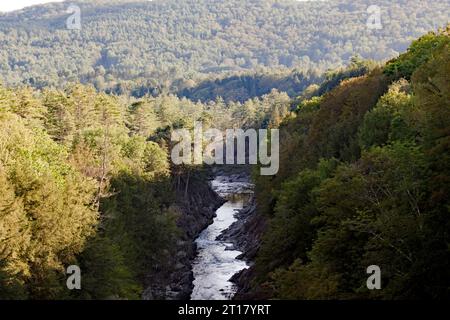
x=215 y=264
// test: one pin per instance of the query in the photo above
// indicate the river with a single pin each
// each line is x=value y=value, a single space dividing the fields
x=216 y=261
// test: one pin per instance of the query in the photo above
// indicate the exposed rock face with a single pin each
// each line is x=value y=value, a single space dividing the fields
x=245 y=235
x=241 y=233
x=197 y=210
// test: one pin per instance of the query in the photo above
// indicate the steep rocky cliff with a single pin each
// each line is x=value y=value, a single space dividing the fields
x=245 y=235
x=197 y=209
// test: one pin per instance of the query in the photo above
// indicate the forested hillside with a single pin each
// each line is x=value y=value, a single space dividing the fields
x=86 y=118
x=65 y=157
x=153 y=46
x=364 y=180
x=85 y=179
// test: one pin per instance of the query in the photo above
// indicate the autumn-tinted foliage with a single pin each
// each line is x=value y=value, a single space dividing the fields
x=364 y=181
x=364 y=177
x=86 y=180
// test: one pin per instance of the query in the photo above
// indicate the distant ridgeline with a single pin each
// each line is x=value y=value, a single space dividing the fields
x=85 y=180
x=250 y=85
x=364 y=180
x=183 y=46
x=85 y=176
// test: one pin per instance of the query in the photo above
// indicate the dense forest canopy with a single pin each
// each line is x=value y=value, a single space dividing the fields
x=124 y=45
x=86 y=118
x=85 y=179
x=363 y=180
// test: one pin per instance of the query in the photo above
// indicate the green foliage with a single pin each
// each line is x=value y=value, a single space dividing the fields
x=310 y=104
x=431 y=84
x=333 y=78
x=144 y=119
x=46 y=208
x=418 y=53
x=78 y=187
x=85 y=177
x=386 y=205
x=108 y=274
x=291 y=229
x=150 y=47
x=370 y=213
x=341 y=114
x=244 y=86
x=390 y=120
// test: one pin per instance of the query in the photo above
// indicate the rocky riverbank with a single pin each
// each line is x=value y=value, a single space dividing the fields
x=216 y=261
x=245 y=235
x=197 y=210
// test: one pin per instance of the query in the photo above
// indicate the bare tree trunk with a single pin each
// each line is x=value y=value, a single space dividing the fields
x=104 y=170
x=187 y=184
